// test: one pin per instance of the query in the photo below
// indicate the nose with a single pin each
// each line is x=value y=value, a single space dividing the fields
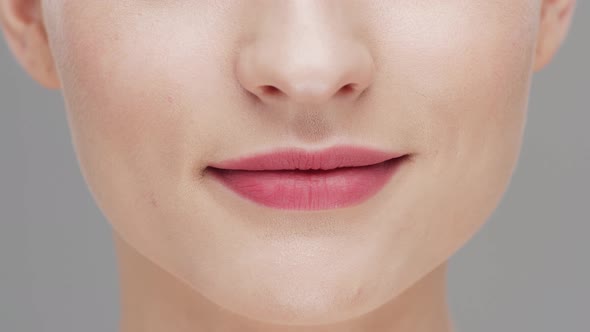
x=305 y=58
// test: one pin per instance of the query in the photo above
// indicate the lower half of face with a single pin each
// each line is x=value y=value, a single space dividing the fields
x=154 y=97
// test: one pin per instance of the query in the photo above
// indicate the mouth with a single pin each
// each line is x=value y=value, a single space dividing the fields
x=296 y=179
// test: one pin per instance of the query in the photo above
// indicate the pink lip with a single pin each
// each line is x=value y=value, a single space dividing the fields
x=299 y=179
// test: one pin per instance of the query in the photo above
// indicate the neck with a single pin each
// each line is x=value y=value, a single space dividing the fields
x=153 y=300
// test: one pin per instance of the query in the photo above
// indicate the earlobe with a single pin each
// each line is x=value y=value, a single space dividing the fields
x=555 y=19
x=24 y=31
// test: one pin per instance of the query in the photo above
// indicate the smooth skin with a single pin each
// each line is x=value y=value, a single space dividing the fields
x=157 y=90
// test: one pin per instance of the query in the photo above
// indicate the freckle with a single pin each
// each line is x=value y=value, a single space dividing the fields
x=153 y=201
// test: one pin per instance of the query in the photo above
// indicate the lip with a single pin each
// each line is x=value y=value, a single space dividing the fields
x=301 y=159
x=300 y=179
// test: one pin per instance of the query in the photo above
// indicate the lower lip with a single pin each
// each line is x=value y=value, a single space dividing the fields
x=311 y=189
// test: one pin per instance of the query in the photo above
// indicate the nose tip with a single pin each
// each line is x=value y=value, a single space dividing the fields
x=317 y=77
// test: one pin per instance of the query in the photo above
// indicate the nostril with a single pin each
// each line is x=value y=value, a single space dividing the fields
x=347 y=89
x=305 y=92
x=270 y=90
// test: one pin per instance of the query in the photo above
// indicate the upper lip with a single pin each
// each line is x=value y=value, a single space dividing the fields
x=294 y=158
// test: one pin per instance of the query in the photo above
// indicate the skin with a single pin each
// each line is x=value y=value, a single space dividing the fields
x=157 y=90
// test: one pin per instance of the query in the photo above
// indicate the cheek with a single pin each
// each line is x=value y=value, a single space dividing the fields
x=118 y=81
x=463 y=70
x=476 y=76
x=452 y=53
x=133 y=106
x=131 y=91
x=463 y=74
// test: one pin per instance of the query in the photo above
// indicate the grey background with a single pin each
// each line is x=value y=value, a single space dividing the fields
x=527 y=270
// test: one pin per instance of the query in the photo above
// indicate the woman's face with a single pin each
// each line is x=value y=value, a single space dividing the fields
x=156 y=91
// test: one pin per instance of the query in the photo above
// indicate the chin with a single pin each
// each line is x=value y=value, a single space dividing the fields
x=288 y=303
x=308 y=291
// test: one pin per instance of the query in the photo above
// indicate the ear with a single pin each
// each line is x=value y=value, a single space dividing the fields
x=556 y=16
x=24 y=30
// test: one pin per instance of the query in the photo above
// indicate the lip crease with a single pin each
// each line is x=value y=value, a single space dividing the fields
x=299 y=179
x=301 y=159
